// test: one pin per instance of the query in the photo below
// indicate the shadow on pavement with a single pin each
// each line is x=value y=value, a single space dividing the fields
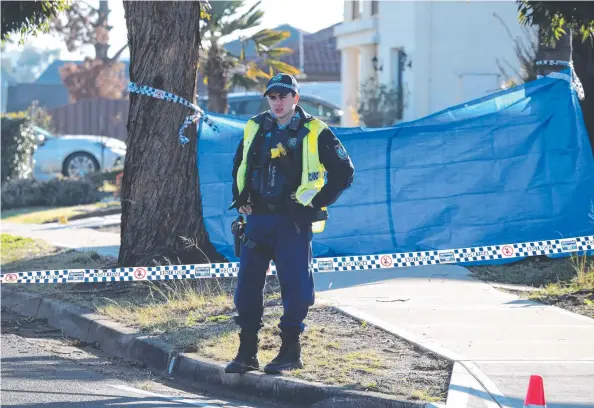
x=339 y=280
x=110 y=401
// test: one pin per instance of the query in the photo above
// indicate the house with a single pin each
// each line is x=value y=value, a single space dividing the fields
x=48 y=89
x=321 y=58
x=439 y=53
x=7 y=82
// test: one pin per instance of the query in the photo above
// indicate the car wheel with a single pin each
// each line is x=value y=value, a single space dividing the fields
x=79 y=165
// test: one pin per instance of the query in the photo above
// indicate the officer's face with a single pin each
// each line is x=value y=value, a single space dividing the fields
x=282 y=104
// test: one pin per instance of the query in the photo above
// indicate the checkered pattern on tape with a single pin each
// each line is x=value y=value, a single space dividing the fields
x=538 y=248
x=105 y=275
x=171 y=272
x=168 y=96
x=193 y=269
x=585 y=243
x=353 y=263
x=223 y=275
x=477 y=253
x=112 y=278
x=416 y=258
x=172 y=276
x=159 y=94
x=43 y=280
x=52 y=273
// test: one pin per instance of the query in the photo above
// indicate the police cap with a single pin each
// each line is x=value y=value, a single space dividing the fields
x=282 y=83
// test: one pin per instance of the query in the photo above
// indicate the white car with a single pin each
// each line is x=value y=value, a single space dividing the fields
x=74 y=155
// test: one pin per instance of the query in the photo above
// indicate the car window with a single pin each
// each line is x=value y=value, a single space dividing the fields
x=254 y=106
x=43 y=132
x=248 y=107
x=327 y=111
x=234 y=108
x=310 y=107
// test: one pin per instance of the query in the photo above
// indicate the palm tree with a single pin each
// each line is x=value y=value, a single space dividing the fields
x=222 y=70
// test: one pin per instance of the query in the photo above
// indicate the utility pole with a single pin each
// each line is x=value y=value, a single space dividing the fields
x=301 y=57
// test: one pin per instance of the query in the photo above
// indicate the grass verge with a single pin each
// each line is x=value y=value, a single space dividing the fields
x=41 y=215
x=564 y=282
x=20 y=254
x=197 y=317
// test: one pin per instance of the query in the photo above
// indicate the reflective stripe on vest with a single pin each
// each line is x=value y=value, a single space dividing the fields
x=249 y=132
x=312 y=174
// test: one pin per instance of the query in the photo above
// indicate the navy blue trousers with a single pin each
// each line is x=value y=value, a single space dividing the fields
x=289 y=245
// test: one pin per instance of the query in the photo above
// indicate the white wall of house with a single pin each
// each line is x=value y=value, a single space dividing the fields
x=452 y=46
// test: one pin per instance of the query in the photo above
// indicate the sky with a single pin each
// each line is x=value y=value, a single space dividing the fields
x=276 y=12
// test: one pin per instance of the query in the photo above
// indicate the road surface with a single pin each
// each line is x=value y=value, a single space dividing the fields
x=43 y=369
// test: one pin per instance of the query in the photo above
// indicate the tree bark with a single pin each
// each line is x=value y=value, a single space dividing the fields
x=102 y=44
x=215 y=71
x=570 y=47
x=160 y=195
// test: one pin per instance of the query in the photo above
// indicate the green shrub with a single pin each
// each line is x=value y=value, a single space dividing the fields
x=380 y=105
x=53 y=193
x=17 y=144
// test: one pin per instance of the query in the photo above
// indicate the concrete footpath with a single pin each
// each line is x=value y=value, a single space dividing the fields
x=497 y=339
x=75 y=234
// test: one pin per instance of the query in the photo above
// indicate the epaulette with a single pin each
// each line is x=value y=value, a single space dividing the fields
x=260 y=117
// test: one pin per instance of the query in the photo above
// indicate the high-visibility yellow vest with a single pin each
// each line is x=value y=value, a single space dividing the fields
x=312 y=175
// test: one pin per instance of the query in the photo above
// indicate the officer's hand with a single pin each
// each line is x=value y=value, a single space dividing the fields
x=294 y=198
x=245 y=209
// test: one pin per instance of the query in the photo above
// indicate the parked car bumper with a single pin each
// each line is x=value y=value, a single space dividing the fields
x=113 y=158
x=46 y=166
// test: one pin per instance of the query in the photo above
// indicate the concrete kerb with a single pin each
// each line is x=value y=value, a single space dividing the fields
x=123 y=342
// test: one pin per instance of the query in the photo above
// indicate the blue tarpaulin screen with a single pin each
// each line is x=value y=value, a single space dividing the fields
x=514 y=166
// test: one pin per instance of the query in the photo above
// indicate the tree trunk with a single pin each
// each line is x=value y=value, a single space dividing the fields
x=570 y=47
x=215 y=71
x=583 y=61
x=102 y=31
x=160 y=196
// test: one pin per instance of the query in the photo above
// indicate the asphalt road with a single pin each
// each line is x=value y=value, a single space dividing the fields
x=40 y=368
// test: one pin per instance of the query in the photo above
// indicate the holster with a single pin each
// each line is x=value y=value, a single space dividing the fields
x=237 y=229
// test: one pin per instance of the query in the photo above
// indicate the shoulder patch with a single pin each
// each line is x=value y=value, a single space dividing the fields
x=341 y=151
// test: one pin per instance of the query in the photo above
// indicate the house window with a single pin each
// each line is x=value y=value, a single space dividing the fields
x=374 y=7
x=357 y=9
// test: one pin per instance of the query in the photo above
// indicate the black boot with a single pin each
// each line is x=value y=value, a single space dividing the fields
x=247 y=356
x=289 y=356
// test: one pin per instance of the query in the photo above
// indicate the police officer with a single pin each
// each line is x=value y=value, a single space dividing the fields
x=288 y=168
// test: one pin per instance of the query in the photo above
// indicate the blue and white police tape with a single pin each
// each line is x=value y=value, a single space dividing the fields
x=319 y=265
x=170 y=97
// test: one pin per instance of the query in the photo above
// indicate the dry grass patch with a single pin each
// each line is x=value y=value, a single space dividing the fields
x=563 y=282
x=154 y=315
x=197 y=317
x=338 y=350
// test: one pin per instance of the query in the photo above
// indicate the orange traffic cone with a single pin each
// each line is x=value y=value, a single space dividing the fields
x=535 y=397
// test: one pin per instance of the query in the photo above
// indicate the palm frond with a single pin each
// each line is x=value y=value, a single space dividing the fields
x=252 y=11
x=238 y=79
x=269 y=38
x=282 y=66
x=254 y=72
x=279 y=52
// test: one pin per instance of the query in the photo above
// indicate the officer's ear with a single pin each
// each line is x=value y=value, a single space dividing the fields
x=296 y=95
